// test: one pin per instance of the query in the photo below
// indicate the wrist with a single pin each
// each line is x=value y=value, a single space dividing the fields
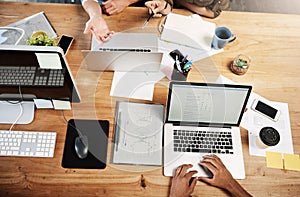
x=95 y=17
x=235 y=189
x=231 y=185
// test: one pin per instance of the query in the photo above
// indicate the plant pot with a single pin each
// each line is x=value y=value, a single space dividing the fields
x=240 y=64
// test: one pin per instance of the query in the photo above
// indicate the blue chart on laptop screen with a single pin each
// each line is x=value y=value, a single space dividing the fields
x=206 y=104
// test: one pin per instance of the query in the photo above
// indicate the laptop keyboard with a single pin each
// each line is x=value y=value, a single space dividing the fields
x=31 y=76
x=126 y=50
x=203 y=141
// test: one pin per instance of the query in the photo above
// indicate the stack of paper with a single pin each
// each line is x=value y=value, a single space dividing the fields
x=188 y=31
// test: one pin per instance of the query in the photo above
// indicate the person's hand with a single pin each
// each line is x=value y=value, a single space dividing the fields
x=183 y=184
x=112 y=7
x=99 y=29
x=157 y=7
x=221 y=176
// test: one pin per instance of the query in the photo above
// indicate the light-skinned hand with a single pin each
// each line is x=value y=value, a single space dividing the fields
x=182 y=183
x=156 y=7
x=99 y=29
x=112 y=7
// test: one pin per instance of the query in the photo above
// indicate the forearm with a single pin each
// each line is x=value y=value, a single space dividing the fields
x=235 y=189
x=92 y=8
x=133 y=1
x=203 y=11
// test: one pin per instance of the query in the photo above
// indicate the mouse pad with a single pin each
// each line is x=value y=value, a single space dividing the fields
x=97 y=133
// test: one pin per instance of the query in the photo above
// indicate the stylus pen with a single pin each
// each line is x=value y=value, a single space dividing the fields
x=117 y=131
x=148 y=19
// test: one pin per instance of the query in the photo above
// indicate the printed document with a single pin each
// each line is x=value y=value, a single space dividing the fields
x=138 y=133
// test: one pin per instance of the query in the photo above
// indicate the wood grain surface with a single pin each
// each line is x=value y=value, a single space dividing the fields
x=271 y=40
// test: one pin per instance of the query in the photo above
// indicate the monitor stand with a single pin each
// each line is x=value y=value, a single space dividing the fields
x=12 y=111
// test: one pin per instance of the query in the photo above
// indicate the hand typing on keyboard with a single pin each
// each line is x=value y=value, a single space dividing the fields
x=183 y=183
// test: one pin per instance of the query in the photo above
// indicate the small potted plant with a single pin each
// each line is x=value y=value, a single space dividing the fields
x=41 y=38
x=240 y=64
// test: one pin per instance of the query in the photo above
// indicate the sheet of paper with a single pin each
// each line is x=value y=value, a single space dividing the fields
x=36 y=22
x=254 y=122
x=43 y=103
x=193 y=54
x=137 y=85
x=138 y=137
x=274 y=160
x=291 y=162
x=223 y=80
x=61 y=105
x=49 y=60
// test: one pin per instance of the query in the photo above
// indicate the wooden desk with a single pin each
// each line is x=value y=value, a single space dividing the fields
x=272 y=40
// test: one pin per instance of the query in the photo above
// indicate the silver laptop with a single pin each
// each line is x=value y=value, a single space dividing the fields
x=202 y=119
x=125 y=52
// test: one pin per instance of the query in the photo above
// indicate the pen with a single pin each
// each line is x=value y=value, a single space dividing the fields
x=117 y=131
x=148 y=19
x=184 y=58
x=187 y=67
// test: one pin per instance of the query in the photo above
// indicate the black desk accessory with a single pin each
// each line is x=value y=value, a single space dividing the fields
x=182 y=66
x=97 y=133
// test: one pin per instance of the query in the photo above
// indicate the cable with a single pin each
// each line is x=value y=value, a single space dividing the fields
x=19 y=101
x=21 y=107
x=78 y=131
x=19 y=116
x=18 y=29
x=63 y=113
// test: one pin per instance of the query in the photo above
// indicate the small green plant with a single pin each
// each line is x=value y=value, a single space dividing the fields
x=241 y=63
x=41 y=39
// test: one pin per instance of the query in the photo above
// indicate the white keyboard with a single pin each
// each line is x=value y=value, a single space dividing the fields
x=27 y=143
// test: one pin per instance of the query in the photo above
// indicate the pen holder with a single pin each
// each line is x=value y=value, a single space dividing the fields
x=181 y=66
x=178 y=76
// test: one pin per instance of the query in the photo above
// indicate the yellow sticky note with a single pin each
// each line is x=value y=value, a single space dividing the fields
x=274 y=160
x=291 y=162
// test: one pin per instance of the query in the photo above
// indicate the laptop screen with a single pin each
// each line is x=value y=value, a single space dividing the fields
x=202 y=103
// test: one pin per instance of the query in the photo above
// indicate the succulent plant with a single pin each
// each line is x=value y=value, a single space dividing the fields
x=241 y=63
x=41 y=38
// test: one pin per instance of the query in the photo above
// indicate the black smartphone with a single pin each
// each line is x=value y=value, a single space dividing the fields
x=65 y=43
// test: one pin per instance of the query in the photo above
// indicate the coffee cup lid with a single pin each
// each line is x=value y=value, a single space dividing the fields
x=269 y=136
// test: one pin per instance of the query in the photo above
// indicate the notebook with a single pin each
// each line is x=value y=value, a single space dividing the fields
x=125 y=52
x=188 y=31
x=204 y=118
x=138 y=133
